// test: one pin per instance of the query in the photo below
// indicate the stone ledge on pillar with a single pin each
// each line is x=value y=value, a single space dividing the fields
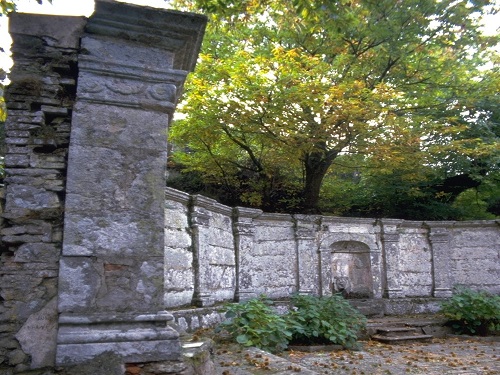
x=442 y=292
x=393 y=293
x=202 y=299
x=178 y=32
x=242 y=296
x=139 y=338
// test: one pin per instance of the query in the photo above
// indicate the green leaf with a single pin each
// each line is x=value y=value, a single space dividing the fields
x=242 y=339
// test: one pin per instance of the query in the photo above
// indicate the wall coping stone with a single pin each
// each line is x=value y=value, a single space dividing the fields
x=476 y=224
x=200 y=201
x=177 y=31
x=412 y=224
x=177 y=195
x=245 y=212
x=275 y=217
x=63 y=31
x=347 y=220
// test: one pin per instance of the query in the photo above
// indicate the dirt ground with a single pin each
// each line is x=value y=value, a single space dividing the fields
x=464 y=356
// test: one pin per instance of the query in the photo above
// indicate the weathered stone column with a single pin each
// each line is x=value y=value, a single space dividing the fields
x=213 y=252
x=244 y=232
x=307 y=229
x=179 y=273
x=390 y=245
x=439 y=238
x=132 y=67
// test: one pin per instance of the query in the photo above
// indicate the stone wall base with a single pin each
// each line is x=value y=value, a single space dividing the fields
x=190 y=320
x=140 y=338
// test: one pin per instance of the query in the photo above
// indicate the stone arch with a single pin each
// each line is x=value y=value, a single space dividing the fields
x=351 y=269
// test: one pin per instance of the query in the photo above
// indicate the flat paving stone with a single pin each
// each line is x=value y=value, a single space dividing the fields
x=439 y=356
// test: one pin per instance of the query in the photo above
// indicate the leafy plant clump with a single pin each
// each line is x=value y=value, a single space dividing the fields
x=255 y=323
x=311 y=320
x=472 y=312
x=327 y=320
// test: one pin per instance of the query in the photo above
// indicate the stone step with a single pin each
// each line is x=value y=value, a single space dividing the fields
x=395 y=340
x=395 y=331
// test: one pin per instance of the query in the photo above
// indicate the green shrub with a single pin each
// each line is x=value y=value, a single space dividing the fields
x=471 y=312
x=311 y=320
x=255 y=323
x=326 y=320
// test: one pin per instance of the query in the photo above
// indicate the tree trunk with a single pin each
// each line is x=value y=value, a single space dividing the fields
x=316 y=165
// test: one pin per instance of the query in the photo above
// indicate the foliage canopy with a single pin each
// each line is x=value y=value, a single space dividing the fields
x=283 y=91
x=387 y=98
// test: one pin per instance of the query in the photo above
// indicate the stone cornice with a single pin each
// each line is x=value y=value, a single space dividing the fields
x=177 y=195
x=412 y=224
x=476 y=224
x=244 y=212
x=275 y=217
x=343 y=220
x=199 y=201
x=440 y=224
x=178 y=32
x=130 y=92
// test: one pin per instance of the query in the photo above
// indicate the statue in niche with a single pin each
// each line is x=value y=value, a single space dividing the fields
x=342 y=284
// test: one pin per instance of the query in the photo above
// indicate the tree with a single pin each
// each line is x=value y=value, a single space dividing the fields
x=283 y=89
x=8 y=6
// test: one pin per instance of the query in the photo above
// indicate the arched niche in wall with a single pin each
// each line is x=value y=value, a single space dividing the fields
x=351 y=269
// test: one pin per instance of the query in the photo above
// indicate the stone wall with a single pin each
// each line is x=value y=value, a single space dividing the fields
x=474 y=255
x=277 y=254
x=39 y=102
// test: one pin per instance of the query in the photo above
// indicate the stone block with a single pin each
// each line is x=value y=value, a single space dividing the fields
x=106 y=363
x=37 y=252
x=17 y=141
x=109 y=233
x=218 y=255
x=177 y=238
x=175 y=299
x=30 y=198
x=266 y=231
x=17 y=160
x=17 y=357
x=78 y=288
x=12 y=149
x=17 y=133
x=60 y=31
x=38 y=336
x=80 y=343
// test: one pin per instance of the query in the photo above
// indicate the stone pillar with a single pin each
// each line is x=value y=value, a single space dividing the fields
x=200 y=220
x=213 y=252
x=132 y=67
x=244 y=232
x=377 y=263
x=179 y=273
x=390 y=245
x=439 y=238
x=307 y=236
